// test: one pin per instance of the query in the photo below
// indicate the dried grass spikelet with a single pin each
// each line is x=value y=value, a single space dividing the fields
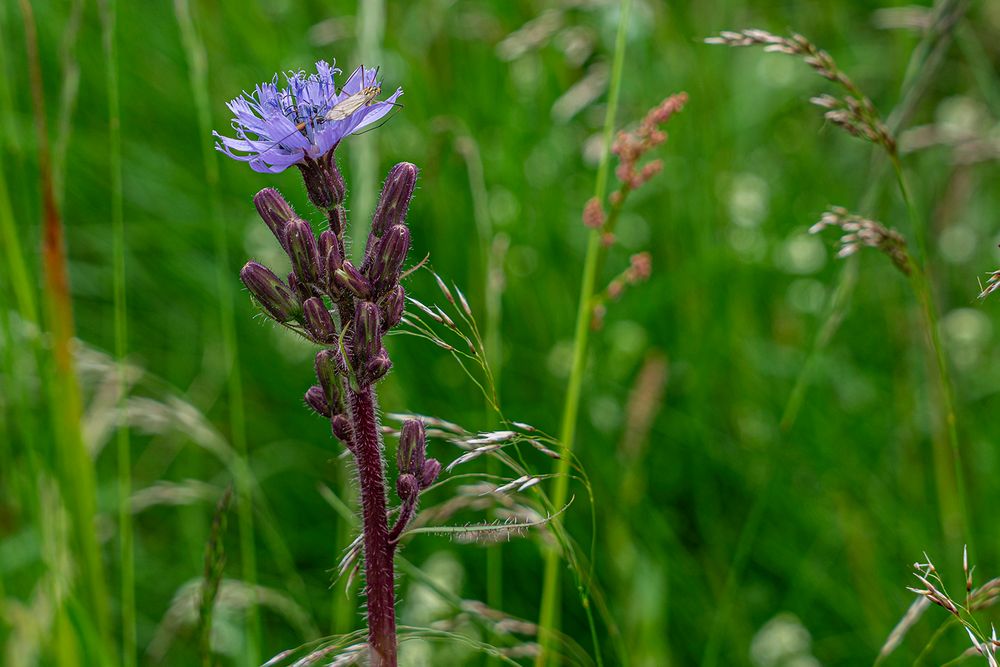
x=853 y=112
x=992 y=285
x=860 y=231
x=934 y=592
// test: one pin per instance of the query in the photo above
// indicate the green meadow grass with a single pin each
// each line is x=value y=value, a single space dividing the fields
x=782 y=487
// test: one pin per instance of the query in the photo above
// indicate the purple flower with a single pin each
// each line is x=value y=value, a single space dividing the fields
x=278 y=127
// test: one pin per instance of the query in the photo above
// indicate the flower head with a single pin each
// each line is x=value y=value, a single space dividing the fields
x=278 y=127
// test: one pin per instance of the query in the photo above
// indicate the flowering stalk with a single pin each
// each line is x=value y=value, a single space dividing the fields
x=344 y=309
x=629 y=147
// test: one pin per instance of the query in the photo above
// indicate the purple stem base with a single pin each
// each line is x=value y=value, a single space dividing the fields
x=378 y=548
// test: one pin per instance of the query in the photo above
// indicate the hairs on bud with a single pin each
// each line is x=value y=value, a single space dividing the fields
x=274 y=211
x=324 y=182
x=316 y=400
x=302 y=251
x=277 y=298
x=394 y=201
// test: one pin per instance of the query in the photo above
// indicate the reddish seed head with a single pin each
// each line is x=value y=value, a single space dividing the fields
x=641 y=267
x=593 y=214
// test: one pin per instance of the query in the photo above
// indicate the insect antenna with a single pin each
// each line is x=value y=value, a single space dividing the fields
x=383 y=122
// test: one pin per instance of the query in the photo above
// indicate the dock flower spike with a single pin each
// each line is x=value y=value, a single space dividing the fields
x=279 y=127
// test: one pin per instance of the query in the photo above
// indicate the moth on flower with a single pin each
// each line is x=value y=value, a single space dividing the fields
x=279 y=127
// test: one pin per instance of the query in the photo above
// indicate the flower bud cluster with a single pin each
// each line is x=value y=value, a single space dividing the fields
x=326 y=298
x=416 y=472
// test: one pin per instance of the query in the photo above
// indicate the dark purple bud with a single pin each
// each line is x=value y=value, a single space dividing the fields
x=318 y=321
x=273 y=295
x=379 y=366
x=389 y=257
x=367 y=336
x=407 y=487
x=395 y=198
x=347 y=278
x=316 y=399
x=412 y=447
x=429 y=472
x=301 y=291
x=324 y=184
x=341 y=428
x=392 y=307
x=274 y=211
x=302 y=250
x=327 y=368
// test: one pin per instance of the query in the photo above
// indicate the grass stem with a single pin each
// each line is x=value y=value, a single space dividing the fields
x=76 y=469
x=953 y=505
x=548 y=617
x=124 y=463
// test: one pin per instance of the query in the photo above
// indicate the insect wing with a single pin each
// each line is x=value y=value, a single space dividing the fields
x=346 y=107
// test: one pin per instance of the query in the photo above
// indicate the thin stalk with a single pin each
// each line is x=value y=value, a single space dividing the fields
x=11 y=137
x=492 y=343
x=953 y=498
x=378 y=550
x=13 y=257
x=76 y=467
x=932 y=642
x=551 y=583
x=982 y=67
x=125 y=535
x=491 y=251
x=194 y=51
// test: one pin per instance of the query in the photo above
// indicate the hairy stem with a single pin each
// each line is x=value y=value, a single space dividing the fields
x=379 y=576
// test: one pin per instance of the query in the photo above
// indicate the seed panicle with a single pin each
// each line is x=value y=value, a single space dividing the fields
x=860 y=231
x=854 y=112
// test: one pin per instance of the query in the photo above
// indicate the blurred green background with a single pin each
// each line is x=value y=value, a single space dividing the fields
x=722 y=539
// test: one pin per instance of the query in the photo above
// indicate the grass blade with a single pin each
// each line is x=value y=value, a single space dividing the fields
x=194 y=51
